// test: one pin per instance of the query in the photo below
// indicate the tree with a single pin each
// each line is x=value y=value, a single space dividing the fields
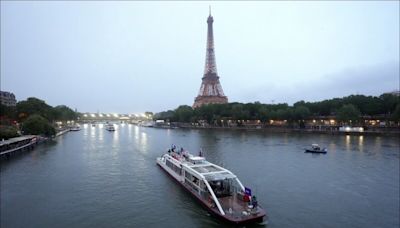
x=7 y=132
x=396 y=114
x=183 y=113
x=390 y=102
x=34 y=106
x=301 y=112
x=348 y=112
x=205 y=112
x=167 y=115
x=62 y=112
x=37 y=125
x=8 y=111
x=263 y=114
x=348 y=108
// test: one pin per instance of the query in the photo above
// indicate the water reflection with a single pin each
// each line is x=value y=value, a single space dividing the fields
x=136 y=132
x=129 y=130
x=101 y=134
x=361 y=143
x=378 y=142
x=143 y=142
x=140 y=137
x=93 y=132
x=115 y=136
x=348 y=142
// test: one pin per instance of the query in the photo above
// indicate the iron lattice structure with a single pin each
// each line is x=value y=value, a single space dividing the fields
x=210 y=89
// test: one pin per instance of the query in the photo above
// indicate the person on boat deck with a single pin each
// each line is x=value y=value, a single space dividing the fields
x=200 y=153
x=181 y=149
x=254 y=202
x=185 y=154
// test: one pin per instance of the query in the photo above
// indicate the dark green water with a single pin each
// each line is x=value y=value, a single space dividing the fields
x=96 y=178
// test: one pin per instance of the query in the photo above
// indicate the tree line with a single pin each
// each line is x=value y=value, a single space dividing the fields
x=350 y=108
x=35 y=117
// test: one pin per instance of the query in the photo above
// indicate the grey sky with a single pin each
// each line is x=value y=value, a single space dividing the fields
x=132 y=57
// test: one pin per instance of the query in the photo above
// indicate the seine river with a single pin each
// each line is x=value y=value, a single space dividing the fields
x=96 y=178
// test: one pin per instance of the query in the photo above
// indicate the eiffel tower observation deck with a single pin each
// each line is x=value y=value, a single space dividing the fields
x=211 y=90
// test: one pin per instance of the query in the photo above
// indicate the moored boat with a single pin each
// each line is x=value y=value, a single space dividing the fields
x=110 y=127
x=17 y=144
x=75 y=128
x=215 y=187
x=315 y=148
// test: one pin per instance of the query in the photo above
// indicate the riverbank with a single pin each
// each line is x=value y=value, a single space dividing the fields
x=61 y=132
x=284 y=129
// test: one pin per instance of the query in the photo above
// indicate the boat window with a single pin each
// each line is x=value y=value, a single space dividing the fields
x=222 y=188
x=175 y=168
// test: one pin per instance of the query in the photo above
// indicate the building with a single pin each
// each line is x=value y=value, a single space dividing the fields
x=210 y=90
x=7 y=98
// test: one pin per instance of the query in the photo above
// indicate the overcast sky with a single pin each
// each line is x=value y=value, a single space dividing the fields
x=129 y=57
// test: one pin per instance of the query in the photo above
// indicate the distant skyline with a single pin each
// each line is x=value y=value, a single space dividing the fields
x=131 y=57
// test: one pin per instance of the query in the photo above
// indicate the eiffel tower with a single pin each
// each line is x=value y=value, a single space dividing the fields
x=211 y=90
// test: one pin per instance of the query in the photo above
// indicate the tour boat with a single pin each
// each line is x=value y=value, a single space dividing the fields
x=215 y=187
x=315 y=148
x=110 y=127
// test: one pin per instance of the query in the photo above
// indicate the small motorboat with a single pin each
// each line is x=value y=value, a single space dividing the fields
x=315 y=148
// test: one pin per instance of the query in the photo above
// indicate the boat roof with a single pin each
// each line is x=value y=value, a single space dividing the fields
x=314 y=144
x=16 y=139
x=219 y=176
x=197 y=158
x=206 y=169
x=210 y=171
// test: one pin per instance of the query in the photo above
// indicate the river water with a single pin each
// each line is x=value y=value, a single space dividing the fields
x=96 y=178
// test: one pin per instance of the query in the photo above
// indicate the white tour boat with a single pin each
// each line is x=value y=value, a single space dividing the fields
x=110 y=127
x=217 y=188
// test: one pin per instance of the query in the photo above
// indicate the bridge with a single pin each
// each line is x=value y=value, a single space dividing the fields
x=113 y=117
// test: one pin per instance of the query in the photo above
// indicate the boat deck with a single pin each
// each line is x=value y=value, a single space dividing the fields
x=233 y=202
x=240 y=212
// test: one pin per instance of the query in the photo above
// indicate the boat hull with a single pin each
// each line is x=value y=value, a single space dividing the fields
x=316 y=151
x=206 y=205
